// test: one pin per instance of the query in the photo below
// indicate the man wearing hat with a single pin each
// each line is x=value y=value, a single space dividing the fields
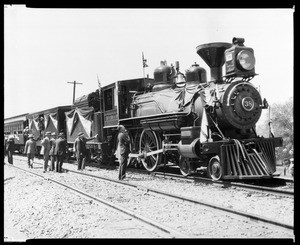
x=80 y=149
x=10 y=148
x=51 y=152
x=30 y=149
x=46 y=149
x=60 y=151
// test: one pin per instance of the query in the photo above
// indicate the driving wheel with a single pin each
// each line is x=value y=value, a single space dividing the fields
x=150 y=141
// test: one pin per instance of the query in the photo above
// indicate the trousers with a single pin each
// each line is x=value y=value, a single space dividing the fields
x=52 y=163
x=10 y=157
x=123 y=165
x=46 y=159
x=59 y=163
x=81 y=162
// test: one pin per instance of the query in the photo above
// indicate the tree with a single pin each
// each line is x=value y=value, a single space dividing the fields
x=282 y=124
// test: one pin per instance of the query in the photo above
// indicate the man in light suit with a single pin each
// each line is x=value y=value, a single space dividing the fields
x=30 y=149
x=51 y=153
x=46 y=149
x=60 y=151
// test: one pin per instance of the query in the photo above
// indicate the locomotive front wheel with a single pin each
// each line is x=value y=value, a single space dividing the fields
x=185 y=166
x=149 y=141
x=215 y=168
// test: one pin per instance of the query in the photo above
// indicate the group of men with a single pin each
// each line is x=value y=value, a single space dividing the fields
x=53 y=149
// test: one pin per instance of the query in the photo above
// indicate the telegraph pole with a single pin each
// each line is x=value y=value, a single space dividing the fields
x=74 y=87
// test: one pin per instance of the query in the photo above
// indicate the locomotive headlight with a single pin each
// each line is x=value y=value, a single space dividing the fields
x=246 y=60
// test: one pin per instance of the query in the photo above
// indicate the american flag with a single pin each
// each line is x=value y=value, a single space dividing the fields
x=144 y=61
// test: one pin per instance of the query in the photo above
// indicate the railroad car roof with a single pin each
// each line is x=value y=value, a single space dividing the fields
x=54 y=109
x=21 y=117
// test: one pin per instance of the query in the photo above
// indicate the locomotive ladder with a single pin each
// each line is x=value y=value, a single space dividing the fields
x=238 y=163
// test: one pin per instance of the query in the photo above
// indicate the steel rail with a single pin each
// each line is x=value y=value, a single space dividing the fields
x=169 y=231
x=219 y=182
x=192 y=200
x=228 y=184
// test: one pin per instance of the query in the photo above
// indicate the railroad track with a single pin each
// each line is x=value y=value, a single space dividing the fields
x=230 y=211
x=167 y=231
x=227 y=184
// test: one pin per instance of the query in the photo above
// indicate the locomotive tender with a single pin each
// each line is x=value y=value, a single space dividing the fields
x=183 y=119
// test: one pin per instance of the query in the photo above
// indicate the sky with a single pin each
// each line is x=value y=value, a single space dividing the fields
x=44 y=49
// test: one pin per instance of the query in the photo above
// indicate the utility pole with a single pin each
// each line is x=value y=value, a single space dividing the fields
x=74 y=89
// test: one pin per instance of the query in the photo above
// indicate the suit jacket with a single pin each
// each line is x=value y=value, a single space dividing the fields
x=60 y=147
x=10 y=145
x=52 y=146
x=123 y=143
x=45 y=146
x=80 y=147
x=30 y=146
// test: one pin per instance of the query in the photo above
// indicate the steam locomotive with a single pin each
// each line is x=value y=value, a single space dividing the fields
x=184 y=119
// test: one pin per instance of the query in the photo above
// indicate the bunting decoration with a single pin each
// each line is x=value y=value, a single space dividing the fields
x=204 y=131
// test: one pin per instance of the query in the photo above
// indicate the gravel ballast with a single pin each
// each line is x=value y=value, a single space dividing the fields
x=40 y=209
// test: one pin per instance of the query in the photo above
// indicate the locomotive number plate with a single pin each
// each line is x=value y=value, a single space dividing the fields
x=248 y=103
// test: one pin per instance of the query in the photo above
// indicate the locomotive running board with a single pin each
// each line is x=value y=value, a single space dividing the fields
x=238 y=163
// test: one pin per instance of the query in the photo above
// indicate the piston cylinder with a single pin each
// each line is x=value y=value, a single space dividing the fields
x=190 y=150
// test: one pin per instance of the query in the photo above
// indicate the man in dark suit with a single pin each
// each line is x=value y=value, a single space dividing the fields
x=10 y=148
x=123 y=149
x=80 y=149
x=60 y=151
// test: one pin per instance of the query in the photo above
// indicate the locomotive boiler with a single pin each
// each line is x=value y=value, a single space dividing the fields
x=192 y=122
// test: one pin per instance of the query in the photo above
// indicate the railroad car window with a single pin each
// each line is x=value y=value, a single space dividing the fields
x=108 y=99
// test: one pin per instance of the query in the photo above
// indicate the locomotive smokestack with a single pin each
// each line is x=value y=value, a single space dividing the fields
x=213 y=55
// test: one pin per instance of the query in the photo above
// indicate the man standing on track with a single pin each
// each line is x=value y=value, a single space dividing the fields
x=123 y=149
x=60 y=151
x=46 y=149
x=80 y=149
x=51 y=152
x=30 y=148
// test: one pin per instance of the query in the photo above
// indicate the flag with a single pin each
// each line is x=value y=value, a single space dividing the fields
x=99 y=84
x=204 y=131
x=144 y=61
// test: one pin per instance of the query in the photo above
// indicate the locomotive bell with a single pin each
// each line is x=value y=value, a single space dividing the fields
x=213 y=55
x=180 y=80
x=195 y=75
